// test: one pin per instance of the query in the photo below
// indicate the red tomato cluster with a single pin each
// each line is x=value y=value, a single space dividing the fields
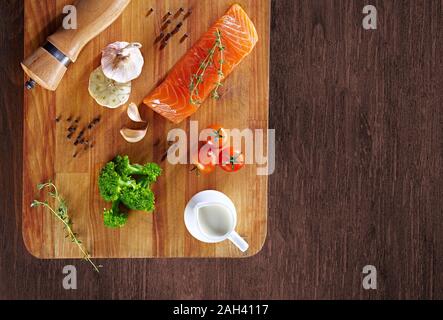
x=213 y=153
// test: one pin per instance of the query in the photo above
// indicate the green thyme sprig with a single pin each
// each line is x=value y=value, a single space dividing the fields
x=221 y=75
x=198 y=77
x=61 y=213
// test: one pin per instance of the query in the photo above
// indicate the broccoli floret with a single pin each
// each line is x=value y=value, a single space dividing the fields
x=141 y=198
x=114 y=218
x=123 y=166
x=111 y=183
x=152 y=171
x=118 y=185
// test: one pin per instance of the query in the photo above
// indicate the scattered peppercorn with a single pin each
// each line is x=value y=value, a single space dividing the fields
x=161 y=35
x=187 y=15
x=178 y=13
x=167 y=15
x=177 y=28
x=81 y=139
x=167 y=23
x=185 y=36
x=165 y=41
x=168 y=36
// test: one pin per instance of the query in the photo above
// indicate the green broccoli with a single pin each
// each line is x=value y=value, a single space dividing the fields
x=121 y=182
x=111 y=183
x=114 y=218
x=141 y=199
x=150 y=170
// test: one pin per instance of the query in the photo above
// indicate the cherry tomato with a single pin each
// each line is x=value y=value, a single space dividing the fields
x=218 y=136
x=231 y=160
x=206 y=159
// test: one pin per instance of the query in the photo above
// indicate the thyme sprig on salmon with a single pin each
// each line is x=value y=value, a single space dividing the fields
x=198 y=78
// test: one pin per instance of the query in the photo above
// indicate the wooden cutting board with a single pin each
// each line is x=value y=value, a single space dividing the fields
x=49 y=154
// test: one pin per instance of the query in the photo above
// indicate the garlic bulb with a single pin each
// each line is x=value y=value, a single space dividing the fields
x=106 y=92
x=122 y=61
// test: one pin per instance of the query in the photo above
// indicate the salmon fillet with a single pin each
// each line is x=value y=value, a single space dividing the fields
x=172 y=99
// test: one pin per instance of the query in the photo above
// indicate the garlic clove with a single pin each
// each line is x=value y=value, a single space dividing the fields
x=122 y=61
x=133 y=136
x=130 y=135
x=107 y=92
x=134 y=114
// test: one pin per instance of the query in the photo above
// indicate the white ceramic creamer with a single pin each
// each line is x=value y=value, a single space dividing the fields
x=211 y=217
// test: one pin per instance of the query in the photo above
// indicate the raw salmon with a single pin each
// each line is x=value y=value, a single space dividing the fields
x=172 y=99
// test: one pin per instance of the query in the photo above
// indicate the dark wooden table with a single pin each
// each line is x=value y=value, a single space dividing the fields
x=359 y=174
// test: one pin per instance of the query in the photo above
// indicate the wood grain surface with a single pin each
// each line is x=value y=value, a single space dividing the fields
x=50 y=155
x=359 y=168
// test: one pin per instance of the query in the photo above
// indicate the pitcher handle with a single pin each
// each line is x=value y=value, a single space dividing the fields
x=238 y=241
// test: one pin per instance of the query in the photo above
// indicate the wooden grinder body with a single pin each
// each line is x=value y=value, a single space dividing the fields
x=93 y=17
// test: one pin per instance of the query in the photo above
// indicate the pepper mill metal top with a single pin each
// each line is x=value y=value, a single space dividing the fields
x=49 y=63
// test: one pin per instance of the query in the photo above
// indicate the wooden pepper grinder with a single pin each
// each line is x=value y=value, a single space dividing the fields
x=49 y=63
